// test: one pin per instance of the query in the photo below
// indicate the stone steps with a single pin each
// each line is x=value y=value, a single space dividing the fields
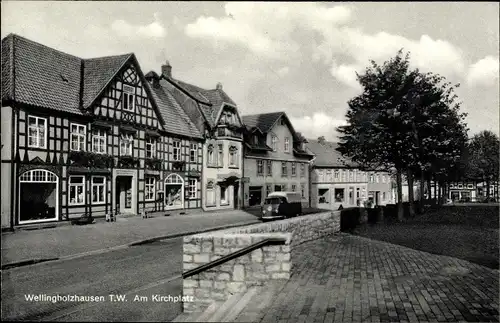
x=255 y=309
x=248 y=306
x=226 y=311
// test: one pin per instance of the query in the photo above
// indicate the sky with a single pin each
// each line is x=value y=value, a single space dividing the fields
x=300 y=58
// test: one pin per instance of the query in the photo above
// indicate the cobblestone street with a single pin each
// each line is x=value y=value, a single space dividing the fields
x=353 y=279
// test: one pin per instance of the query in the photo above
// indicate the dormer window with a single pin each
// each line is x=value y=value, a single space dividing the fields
x=256 y=140
x=128 y=99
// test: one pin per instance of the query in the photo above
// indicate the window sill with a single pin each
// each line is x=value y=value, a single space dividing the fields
x=224 y=204
x=98 y=203
x=73 y=204
x=234 y=167
x=149 y=200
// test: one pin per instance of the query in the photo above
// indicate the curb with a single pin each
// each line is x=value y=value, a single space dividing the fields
x=29 y=262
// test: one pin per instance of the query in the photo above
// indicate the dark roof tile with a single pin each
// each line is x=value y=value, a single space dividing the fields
x=327 y=155
x=44 y=76
x=264 y=121
x=176 y=120
x=97 y=73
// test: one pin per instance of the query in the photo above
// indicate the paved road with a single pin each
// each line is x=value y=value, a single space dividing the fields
x=142 y=270
x=70 y=240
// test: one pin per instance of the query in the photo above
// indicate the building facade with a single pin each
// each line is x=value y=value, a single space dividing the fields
x=275 y=158
x=337 y=182
x=88 y=136
x=216 y=116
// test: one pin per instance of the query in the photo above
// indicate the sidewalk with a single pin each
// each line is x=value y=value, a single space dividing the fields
x=66 y=241
x=354 y=279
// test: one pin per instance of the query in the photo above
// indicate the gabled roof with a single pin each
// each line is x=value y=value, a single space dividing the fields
x=211 y=101
x=36 y=74
x=97 y=74
x=264 y=121
x=327 y=155
x=39 y=75
x=176 y=120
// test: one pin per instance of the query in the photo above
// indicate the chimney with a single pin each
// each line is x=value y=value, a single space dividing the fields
x=219 y=86
x=166 y=70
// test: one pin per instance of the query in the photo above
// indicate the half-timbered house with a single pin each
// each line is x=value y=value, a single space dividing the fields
x=217 y=117
x=89 y=136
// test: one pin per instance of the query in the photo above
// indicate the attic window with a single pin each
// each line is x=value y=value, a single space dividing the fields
x=65 y=80
x=282 y=121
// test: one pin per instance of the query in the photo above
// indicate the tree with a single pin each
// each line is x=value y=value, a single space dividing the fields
x=404 y=120
x=376 y=135
x=483 y=158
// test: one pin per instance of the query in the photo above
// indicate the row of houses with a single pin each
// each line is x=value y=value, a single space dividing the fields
x=94 y=136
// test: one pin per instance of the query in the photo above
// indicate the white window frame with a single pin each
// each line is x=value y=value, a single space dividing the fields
x=176 y=151
x=151 y=147
x=99 y=186
x=128 y=95
x=98 y=137
x=302 y=170
x=284 y=170
x=220 y=155
x=233 y=154
x=80 y=137
x=210 y=155
x=37 y=131
x=287 y=145
x=274 y=143
x=193 y=153
x=76 y=185
x=260 y=166
x=336 y=175
x=126 y=144
x=294 y=187
x=149 y=188
x=294 y=169
x=303 y=191
x=192 y=188
x=269 y=167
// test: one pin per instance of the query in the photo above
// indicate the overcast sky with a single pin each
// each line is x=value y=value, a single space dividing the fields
x=295 y=57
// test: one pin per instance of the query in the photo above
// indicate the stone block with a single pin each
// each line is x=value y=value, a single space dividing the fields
x=214 y=257
x=189 y=283
x=219 y=285
x=188 y=291
x=202 y=293
x=207 y=246
x=244 y=241
x=239 y=273
x=223 y=277
x=221 y=251
x=273 y=267
x=187 y=258
x=208 y=275
x=218 y=296
x=283 y=256
x=285 y=266
x=191 y=248
x=235 y=287
x=257 y=255
x=202 y=258
x=285 y=248
x=189 y=266
x=206 y=283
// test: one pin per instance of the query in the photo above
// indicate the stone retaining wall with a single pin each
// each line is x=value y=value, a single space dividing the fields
x=253 y=269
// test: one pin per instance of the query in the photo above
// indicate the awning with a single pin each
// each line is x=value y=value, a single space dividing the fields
x=152 y=133
x=102 y=125
x=128 y=129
